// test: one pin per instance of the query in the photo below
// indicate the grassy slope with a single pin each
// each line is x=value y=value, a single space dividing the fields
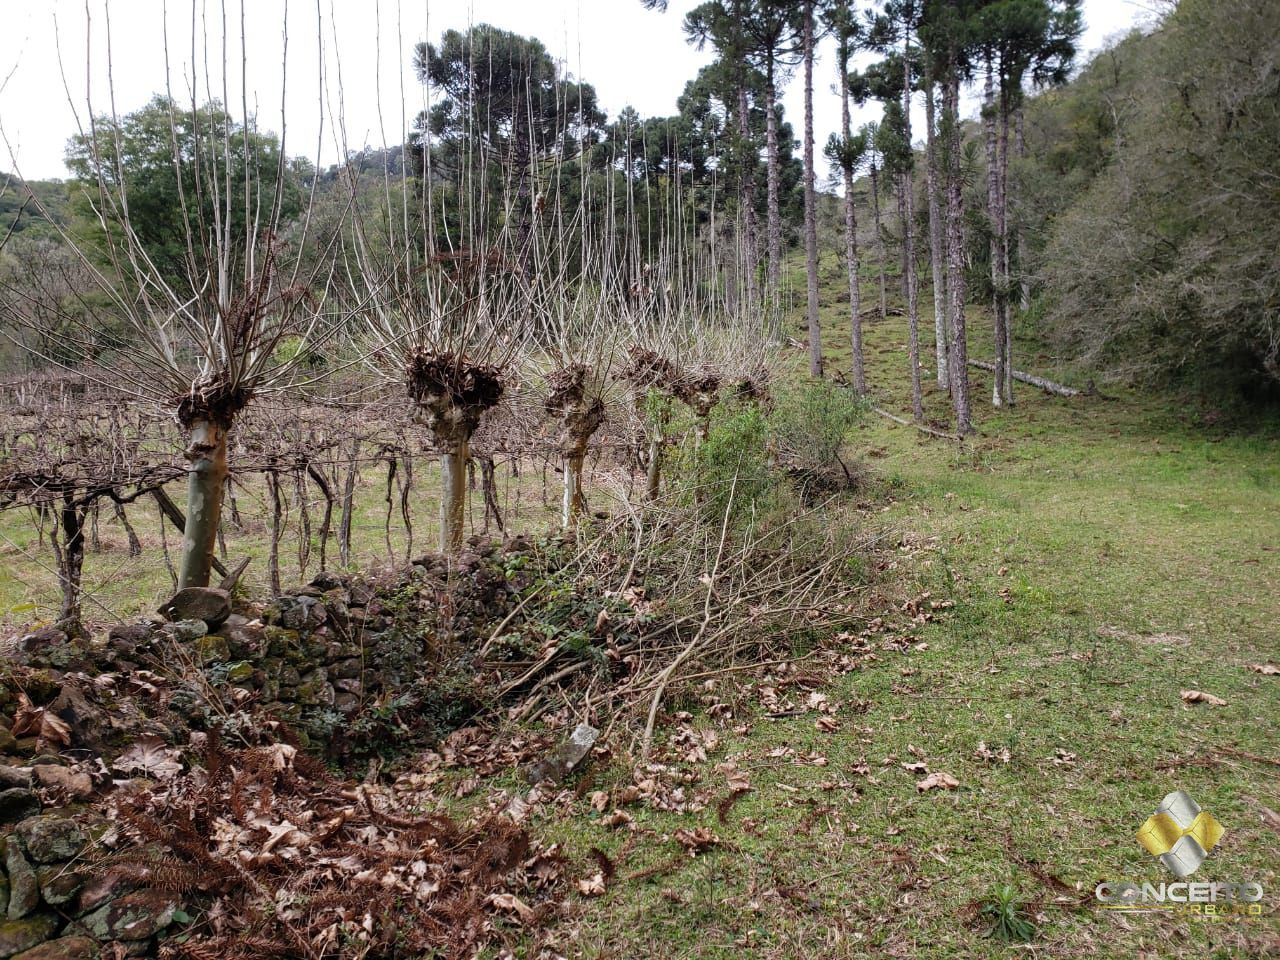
x=1102 y=557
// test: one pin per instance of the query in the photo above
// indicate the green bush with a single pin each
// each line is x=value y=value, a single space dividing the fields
x=810 y=423
x=730 y=471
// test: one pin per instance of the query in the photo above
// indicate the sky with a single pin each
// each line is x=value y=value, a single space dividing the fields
x=341 y=70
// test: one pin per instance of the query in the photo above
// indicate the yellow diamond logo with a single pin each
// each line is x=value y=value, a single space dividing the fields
x=1180 y=834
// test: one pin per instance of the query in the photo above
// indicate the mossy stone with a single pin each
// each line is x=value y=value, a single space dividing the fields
x=23 y=934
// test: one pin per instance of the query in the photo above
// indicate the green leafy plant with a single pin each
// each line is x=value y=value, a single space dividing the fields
x=1008 y=915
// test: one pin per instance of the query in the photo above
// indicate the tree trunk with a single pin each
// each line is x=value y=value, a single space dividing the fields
x=935 y=242
x=955 y=256
x=875 y=209
x=1006 y=284
x=993 y=208
x=348 y=504
x=908 y=241
x=206 y=482
x=747 y=200
x=326 y=522
x=909 y=289
x=277 y=524
x=774 y=175
x=810 y=201
x=572 y=505
x=1024 y=283
x=135 y=545
x=453 y=496
x=71 y=560
x=851 y=249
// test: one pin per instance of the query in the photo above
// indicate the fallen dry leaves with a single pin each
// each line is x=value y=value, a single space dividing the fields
x=1199 y=696
x=938 y=781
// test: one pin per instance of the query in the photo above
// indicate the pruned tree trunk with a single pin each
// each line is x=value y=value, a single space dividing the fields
x=573 y=396
x=955 y=257
x=811 y=201
x=574 y=503
x=653 y=470
x=453 y=499
x=206 y=482
x=935 y=241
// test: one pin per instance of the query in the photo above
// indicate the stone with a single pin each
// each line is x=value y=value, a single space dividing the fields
x=89 y=723
x=24 y=890
x=103 y=888
x=7 y=740
x=59 y=884
x=325 y=581
x=4 y=895
x=564 y=758
x=241 y=672
x=188 y=631
x=208 y=604
x=135 y=916
x=346 y=669
x=213 y=648
x=281 y=643
x=346 y=702
x=71 y=782
x=64 y=948
x=14 y=777
x=52 y=839
x=41 y=639
x=130 y=635
x=17 y=803
x=17 y=936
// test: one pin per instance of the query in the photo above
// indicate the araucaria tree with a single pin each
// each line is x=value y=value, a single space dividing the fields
x=847 y=152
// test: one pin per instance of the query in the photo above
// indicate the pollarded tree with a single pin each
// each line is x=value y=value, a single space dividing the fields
x=184 y=255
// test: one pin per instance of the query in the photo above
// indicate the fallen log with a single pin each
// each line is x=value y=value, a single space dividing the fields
x=940 y=434
x=1046 y=385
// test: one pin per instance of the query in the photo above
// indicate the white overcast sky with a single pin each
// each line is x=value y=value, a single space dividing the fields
x=54 y=62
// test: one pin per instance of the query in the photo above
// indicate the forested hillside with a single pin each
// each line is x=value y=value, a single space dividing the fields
x=1150 y=200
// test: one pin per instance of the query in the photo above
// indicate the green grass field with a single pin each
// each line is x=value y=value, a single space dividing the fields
x=1102 y=556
